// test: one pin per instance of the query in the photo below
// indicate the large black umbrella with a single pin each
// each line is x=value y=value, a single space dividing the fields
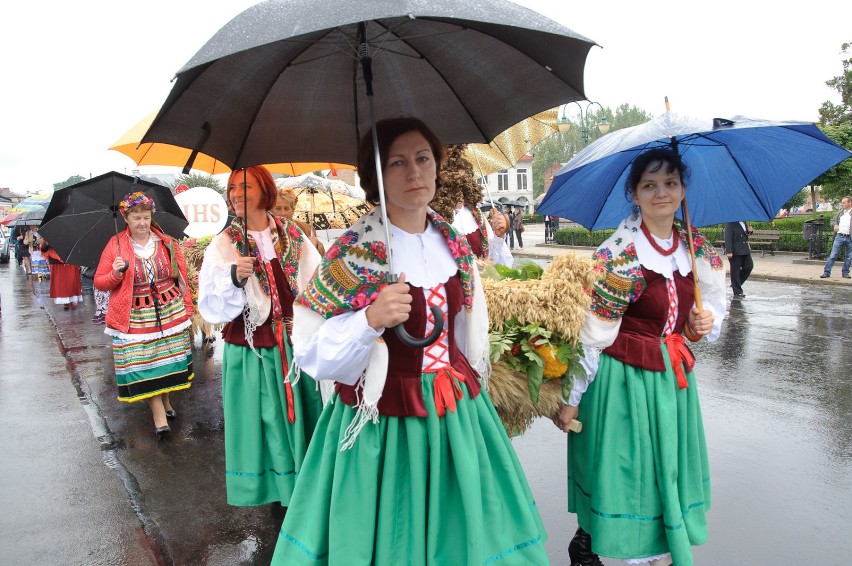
x=82 y=218
x=294 y=81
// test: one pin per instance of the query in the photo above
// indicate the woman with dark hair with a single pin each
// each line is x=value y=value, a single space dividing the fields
x=638 y=477
x=269 y=412
x=149 y=311
x=410 y=463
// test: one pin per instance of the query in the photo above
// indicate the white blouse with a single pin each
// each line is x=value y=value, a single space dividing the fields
x=340 y=349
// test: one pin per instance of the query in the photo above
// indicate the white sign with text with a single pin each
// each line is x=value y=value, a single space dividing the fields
x=205 y=209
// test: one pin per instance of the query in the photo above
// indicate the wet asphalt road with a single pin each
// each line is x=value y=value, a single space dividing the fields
x=84 y=481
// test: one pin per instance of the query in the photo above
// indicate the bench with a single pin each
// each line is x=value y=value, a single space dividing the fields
x=765 y=240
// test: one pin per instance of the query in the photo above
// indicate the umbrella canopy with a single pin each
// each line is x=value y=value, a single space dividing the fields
x=326 y=203
x=741 y=169
x=9 y=217
x=29 y=218
x=34 y=202
x=285 y=80
x=130 y=144
x=82 y=218
x=512 y=144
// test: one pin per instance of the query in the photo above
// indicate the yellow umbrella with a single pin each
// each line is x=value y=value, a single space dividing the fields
x=171 y=155
x=512 y=144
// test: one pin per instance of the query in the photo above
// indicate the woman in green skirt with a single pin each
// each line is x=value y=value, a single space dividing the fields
x=270 y=413
x=410 y=463
x=638 y=477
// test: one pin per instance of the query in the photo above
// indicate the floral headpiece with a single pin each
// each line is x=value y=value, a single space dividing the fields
x=136 y=199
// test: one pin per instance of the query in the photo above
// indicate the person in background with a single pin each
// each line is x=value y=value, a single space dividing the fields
x=410 y=463
x=498 y=252
x=842 y=239
x=285 y=207
x=66 y=287
x=638 y=473
x=101 y=306
x=270 y=413
x=23 y=247
x=148 y=316
x=518 y=227
x=739 y=254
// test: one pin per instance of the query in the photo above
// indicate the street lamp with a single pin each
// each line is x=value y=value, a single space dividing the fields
x=564 y=124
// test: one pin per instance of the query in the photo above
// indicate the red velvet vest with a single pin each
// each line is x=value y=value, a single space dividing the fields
x=234 y=332
x=403 y=393
x=638 y=341
x=475 y=241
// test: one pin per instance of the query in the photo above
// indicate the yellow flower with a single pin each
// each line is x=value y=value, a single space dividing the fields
x=553 y=368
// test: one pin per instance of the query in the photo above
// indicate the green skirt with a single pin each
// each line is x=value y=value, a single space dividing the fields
x=638 y=475
x=263 y=451
x=414 y=491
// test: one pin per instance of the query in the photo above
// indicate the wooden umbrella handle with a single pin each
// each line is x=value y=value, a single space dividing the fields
x=690 y=334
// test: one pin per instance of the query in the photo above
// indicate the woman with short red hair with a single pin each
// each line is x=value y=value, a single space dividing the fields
x=269 y=413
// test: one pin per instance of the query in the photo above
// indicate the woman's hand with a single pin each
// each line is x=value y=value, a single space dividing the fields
x=245 y=267
x=392 y=307
x=730 y=255
x=701 y=322
x=118 y=265
x=564 y=417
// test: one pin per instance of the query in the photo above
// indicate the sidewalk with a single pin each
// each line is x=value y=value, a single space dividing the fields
x=783 y=266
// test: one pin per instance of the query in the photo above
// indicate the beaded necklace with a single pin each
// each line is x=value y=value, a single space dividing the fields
x=656 y=246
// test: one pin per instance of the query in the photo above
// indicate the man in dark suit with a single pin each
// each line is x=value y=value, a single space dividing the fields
x=739 y=254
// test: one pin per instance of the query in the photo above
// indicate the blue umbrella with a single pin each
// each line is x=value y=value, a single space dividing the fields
x=741 y=169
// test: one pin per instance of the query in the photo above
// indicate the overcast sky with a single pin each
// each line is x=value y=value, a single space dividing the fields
x=76 y=75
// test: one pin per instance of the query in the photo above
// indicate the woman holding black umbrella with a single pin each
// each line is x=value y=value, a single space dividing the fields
x=149 y=311
x=410 y=463
x=638 y=477
x=270 y=413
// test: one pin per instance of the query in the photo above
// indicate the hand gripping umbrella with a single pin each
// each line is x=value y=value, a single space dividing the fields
x=468 y=69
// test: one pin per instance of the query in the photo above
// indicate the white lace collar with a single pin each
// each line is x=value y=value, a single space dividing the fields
x=424 y=258
x=659 y=263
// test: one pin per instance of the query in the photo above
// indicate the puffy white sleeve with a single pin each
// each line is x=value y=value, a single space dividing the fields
x=595 y=335
x=219 y=301
x=337 y=348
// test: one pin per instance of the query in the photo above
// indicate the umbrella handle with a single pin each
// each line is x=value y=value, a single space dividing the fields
x=239 y=283
x=426 y=341
x=123 y=269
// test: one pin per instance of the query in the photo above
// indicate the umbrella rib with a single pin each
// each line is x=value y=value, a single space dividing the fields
x=443 y=78
x=740 y=169
x=269 y=88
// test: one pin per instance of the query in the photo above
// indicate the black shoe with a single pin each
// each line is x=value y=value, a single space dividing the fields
x=580 y=550
x=162 y=431
x=847 y=276
x=825 y=276
x=171 y=415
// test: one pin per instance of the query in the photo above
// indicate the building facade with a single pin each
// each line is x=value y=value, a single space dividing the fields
x=514 y=184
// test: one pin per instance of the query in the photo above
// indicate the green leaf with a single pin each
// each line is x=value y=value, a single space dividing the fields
x=567 y=384
x=535 y=375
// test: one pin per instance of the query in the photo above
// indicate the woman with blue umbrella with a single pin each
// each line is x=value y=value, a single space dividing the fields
x=638 y=472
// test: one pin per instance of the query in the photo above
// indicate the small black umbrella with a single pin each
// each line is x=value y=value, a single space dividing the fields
x=82 y=218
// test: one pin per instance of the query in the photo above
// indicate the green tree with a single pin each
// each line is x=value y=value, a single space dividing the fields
x=836 y=123
x=797 y=199
x=72 y=180
x=560 y=147
x=199 y=180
